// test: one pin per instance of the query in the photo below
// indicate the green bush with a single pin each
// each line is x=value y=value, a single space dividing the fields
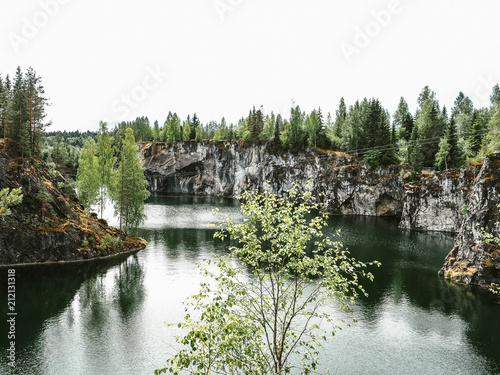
x=109 y=241
x=373 y=158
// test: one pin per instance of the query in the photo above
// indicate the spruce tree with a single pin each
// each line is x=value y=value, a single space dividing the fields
x=430 y=125
x=340 y=117
x=19 y=117
x=456 y=158
x=5 y=104
x=194 y=124
x=403 y=120
x=256 y=124
x=415 y=155
x=278 y=128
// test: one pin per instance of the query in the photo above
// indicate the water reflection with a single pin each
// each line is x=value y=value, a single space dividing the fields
x=107 y=317
x=129 y=287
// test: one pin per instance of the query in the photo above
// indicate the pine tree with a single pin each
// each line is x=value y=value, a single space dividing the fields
x=479 y=123
x=415 y=155
x=495 y=96
x=129 y=185
x=430 y=124
x=403 y=120
x=339 y=127
x=194 y=125
x=376 y=133
x=8 y=198
x=322 y=138
x=256 y=124
x=36 y=106
x=352 y=132
x=278 y=128
x=456 y=158
x=463 y=114
x=293 y=133
x=3 y=111
x=5 y=104
x=19 y=117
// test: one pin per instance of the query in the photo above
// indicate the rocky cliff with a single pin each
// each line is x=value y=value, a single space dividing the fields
x=475 y=257
x=50 y=225
x=346 y=185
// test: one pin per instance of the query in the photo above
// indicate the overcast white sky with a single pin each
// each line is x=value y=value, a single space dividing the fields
x=115 y=60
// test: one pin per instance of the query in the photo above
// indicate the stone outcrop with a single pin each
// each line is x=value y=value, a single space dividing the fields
x=50 y=225
x=475 y=257
x=346 y=185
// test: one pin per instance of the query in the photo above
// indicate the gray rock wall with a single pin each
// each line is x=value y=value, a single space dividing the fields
x=347 y=186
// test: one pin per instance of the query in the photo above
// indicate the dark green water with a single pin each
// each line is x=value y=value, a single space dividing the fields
x=107 y=317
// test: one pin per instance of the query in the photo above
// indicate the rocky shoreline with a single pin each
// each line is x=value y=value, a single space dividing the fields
x=50 y=224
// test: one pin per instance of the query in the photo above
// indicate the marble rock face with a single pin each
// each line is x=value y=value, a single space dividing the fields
x=457 y=201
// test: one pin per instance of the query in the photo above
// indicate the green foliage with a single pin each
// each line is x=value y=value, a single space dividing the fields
x=430 y=127
x=128 y=185
x=186 y=131
x=373 y=157
x=8 y=198
x=44 y=197
x=109 y=241
x=105 y=161
x=262 y=312
x=314 y=129
x=87 y=177
x=491 y=142
x=415 y=153
x=403 y=120
x=23 y=112
x=494 y=288
x=199 y=133
x=292 y=136
x=339 y=127
x=443 y=154
x=85 y=242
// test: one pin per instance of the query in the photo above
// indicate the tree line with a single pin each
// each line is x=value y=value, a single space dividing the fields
x=431 y=137
x=22 y=112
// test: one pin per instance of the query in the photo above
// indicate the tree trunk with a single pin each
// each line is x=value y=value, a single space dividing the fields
x=31 y=124
x=121 y=199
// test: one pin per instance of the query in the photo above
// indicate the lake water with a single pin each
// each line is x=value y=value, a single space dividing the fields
x=108 y=317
